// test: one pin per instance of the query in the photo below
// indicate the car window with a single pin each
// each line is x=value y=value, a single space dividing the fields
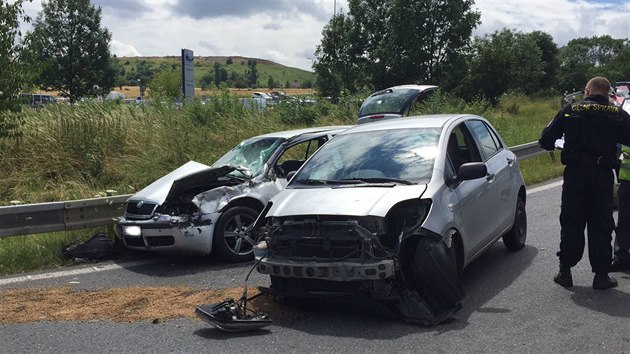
x=459 y=150
x=404 y=154
x=488 y=141
x=293 y=158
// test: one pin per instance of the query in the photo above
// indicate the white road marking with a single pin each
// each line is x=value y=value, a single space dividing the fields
x=545 y=187
x=65 y=273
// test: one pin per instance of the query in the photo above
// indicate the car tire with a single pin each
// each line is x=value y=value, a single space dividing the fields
x=232 y=240
x=435 y=277
x=514 y=239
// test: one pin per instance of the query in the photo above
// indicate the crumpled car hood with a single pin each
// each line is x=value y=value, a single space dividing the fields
x=189 y=176
x=355 y=200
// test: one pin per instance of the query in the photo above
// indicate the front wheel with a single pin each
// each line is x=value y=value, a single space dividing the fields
x=232 y=239
x=514 y=239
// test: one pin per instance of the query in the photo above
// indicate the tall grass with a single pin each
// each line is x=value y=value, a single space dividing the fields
x=63 y=153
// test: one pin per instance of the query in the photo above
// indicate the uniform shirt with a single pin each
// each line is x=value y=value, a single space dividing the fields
x=591 y=128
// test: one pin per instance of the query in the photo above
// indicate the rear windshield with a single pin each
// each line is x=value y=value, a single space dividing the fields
x=388 y=101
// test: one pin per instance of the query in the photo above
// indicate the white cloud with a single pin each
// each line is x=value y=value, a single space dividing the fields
x=123 y=49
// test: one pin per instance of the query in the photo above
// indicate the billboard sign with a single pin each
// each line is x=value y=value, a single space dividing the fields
x=188 y=73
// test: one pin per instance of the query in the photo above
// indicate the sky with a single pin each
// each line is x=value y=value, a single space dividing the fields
x=288 y=31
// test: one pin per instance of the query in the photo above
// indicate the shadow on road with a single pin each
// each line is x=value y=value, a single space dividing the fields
x=152 y=264
x=217 y=334
x=604 y=301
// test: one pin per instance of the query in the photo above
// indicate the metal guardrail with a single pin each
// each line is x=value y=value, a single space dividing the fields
x=80 y=214
x=60 y=216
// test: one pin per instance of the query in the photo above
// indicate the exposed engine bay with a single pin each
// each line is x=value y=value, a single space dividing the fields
x=390 y=260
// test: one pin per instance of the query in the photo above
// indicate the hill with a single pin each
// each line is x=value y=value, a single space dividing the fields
x=141 y=67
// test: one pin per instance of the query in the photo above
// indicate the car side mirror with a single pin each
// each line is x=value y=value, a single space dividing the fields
x=472 y=170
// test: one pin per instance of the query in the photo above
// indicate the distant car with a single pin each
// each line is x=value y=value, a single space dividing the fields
x=36 y=100
x=200 y=209
x=393 y=102
x=393 y=211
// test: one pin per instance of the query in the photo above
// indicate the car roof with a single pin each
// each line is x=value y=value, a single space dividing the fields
x=424 y=121
x=288 y=134
x=410 y=86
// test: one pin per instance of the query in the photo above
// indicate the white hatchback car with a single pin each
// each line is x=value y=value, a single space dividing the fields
x=393 y=211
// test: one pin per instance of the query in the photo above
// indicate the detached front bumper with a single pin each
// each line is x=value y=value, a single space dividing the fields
x=169 y=234
x=332 y=271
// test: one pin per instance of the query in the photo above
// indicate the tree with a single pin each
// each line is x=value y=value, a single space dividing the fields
x=71 y=49
x=166 y=84
x=120 y=79
x=339 y=66
x=387 y=42
x=271 y=83
x=549 y=56
x=583 y=58
x=252 y=73
x=504 y=61
x=207 y=80
x=12 y=77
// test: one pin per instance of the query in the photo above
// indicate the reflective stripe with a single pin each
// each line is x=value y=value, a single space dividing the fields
x=624 y=169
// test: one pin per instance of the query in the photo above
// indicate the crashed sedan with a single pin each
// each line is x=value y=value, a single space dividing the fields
x=393 y=211
x=200 y=209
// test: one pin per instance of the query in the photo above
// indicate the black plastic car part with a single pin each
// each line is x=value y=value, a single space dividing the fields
x=232 y=316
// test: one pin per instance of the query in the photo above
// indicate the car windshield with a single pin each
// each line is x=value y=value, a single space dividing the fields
x=388 y=101
x=251 y=154
x=383 y=156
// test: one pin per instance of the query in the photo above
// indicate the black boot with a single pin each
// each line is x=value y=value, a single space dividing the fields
x=603 y=281
x=564 y=277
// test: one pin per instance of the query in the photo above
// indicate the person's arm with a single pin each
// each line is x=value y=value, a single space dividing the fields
x=552 y=132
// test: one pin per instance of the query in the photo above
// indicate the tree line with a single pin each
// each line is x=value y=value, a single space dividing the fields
x=376 y=44
x=381 y=43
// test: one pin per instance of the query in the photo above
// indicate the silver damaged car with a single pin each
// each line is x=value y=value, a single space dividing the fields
x=393 y=211
x=200 y=209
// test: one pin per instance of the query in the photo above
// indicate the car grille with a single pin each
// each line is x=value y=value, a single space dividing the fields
x=323 y=249
x=142 y=211
x=153 y=241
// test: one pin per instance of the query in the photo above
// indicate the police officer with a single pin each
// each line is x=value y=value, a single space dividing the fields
x=621 y=260
x=592 y=128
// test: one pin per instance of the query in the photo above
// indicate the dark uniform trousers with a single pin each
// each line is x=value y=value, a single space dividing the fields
x=587 y=199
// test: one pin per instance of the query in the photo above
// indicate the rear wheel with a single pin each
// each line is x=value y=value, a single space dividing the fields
x=233 y=239
x=514 y=239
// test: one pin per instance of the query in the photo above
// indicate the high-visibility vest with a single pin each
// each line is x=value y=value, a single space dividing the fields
x=624 y=168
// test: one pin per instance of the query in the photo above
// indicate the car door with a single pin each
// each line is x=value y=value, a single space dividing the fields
x=293 y=156
x=499 y=161
x=472 y=196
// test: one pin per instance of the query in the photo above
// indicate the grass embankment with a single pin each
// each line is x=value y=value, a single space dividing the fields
x=64 y=153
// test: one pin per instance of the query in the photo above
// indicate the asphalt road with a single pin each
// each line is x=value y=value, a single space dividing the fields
x=511 y=306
